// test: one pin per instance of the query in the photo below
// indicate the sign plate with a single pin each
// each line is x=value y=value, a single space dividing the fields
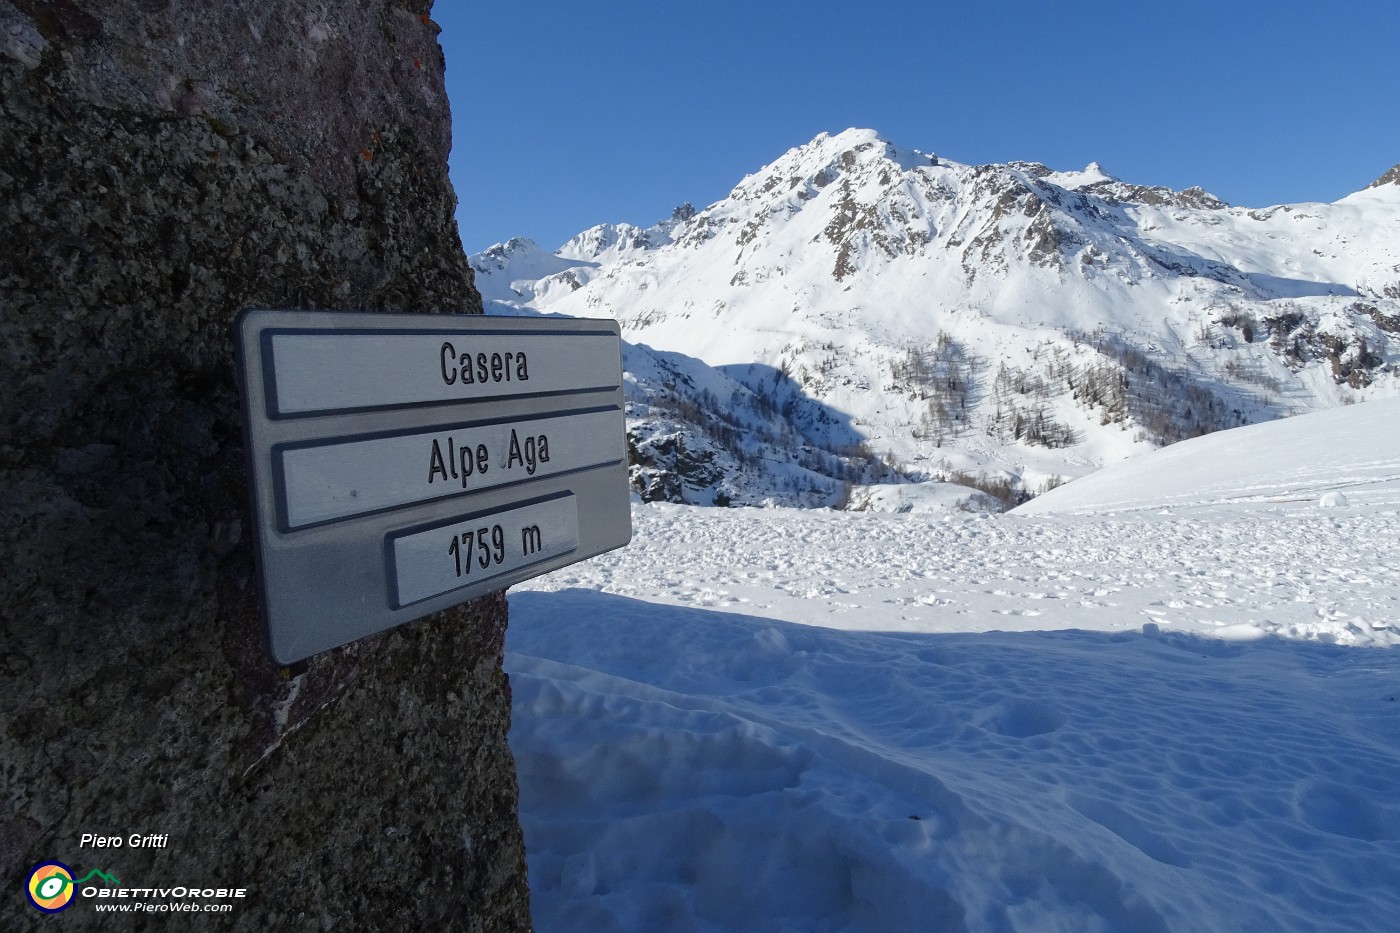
x=328 y=481
x=439 y=560
x=401 y=464
x=316 y=372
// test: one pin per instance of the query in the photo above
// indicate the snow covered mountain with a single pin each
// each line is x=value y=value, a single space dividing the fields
x=1004 y=325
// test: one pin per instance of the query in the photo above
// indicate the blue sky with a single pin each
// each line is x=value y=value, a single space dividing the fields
x=568 y=114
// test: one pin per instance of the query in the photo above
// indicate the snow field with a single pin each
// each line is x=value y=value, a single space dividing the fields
x=1330 y=575
x=686 y=769
x=1165 y=698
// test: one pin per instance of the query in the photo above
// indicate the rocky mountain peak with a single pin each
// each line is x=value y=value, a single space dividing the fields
x=515 y=246
x=995 y=316
x=1391 y=177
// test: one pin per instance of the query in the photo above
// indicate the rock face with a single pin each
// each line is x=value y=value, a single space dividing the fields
x=162 y=165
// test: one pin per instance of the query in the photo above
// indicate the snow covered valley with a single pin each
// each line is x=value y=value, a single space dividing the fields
x=1142 y=702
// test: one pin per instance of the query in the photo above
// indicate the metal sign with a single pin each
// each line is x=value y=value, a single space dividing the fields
x=404 y=463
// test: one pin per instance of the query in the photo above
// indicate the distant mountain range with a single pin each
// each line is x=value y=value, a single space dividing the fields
x=856 y=314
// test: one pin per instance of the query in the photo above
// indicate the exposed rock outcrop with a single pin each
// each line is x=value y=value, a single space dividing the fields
x=1391 y=177
x=163 y=165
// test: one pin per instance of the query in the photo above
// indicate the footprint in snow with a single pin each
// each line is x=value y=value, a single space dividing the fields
x=1021 y=719
x=1341 y=811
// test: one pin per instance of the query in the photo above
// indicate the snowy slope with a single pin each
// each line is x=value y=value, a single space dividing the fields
x=513 y=272
x=1345 y=457
x=1182 y=714
x=697 y=435
x=1002 y=318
